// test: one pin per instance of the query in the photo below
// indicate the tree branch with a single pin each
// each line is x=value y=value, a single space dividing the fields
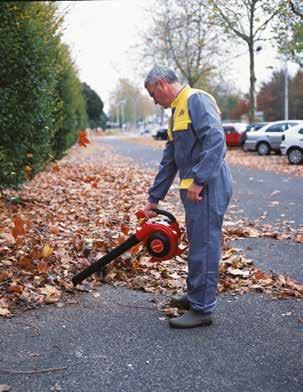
x=229 y=23
x=263 y=25
x=294 y=9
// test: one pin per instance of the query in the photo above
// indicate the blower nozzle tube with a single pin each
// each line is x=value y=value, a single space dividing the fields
x=99 y=264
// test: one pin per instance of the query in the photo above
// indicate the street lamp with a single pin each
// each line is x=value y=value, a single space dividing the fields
x=286 y=89
x=257 y=50
x=286 y=71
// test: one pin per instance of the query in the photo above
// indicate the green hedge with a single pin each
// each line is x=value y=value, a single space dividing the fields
x=41 y=103
x=94 y=106
x=73 y=114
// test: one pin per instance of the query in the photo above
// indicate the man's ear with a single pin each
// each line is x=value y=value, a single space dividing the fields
x=162 y=84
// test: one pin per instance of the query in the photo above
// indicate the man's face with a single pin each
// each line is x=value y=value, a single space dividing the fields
x=160 y=94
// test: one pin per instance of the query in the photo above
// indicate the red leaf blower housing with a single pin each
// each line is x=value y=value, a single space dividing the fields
x=162 y=240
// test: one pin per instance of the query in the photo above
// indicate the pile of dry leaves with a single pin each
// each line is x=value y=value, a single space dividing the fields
x=83 y=206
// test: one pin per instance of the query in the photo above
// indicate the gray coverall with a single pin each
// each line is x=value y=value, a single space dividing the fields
x=196 y=148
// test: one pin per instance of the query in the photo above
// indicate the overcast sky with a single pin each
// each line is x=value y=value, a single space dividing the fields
x=101 y=33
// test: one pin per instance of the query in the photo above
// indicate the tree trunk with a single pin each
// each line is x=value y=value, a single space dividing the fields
x=252 y=78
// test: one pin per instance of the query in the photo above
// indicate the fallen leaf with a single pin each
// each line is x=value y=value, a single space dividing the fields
x=4 y=388
x=5 y=312
x=124 y=229
x=52 y=294
x=83 y=140
x=135 y=249
x=19 y=227
x=4 y=275
x=15 y=288
x=42 y=267
x=56 y=168
x=299 y=238
x=172 y=312
x=46 y=251
x=26 y=263
x=259 y=275
x=27 y=171
x=54 y=230
x=294 y=285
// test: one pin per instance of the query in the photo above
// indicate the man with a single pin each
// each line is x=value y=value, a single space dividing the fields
x=196 y=148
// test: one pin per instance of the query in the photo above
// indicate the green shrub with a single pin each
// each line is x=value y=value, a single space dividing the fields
x=73 y=112
x=41 y=103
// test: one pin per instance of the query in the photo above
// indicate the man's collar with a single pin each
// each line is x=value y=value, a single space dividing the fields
x=180 y=96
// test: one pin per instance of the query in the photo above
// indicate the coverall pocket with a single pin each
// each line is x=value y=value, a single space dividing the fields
x=180 y=146
x=222 y=191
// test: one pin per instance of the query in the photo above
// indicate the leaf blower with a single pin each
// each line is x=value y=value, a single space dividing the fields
x=161 y=239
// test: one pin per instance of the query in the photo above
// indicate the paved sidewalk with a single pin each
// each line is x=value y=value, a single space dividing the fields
x=118 y=342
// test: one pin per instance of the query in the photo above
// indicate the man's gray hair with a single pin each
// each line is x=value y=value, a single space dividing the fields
x=160 y=73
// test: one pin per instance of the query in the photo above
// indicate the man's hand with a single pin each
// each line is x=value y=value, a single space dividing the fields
x=148 y=209
x=194 y=192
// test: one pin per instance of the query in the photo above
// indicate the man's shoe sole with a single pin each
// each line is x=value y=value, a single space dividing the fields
x=205 y=323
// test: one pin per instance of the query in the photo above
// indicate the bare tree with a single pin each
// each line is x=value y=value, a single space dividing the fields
x=246 y=20
x=126 y=98
x=183 y=36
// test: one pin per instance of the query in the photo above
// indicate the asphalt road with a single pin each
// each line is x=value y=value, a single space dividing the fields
x=118 y=341
x=255 y=192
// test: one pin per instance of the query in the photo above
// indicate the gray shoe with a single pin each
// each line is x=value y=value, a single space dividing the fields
x=180 y=301
x=191 y=319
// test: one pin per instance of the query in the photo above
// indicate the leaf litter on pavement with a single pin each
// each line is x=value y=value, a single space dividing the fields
x=83 y=206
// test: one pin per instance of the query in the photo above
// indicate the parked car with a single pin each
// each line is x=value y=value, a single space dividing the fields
x=233 y=133
x=251 y=127
x=159 y=134
x=292 y=144
x=143 y=130
x=269 y=137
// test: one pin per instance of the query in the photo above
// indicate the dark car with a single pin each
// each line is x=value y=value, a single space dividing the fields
x=160 y=134
x=251 y=127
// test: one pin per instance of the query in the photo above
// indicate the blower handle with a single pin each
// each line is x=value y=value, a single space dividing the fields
x=170 y=216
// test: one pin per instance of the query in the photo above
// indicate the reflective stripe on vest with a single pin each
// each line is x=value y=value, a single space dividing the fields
x=169 y=129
